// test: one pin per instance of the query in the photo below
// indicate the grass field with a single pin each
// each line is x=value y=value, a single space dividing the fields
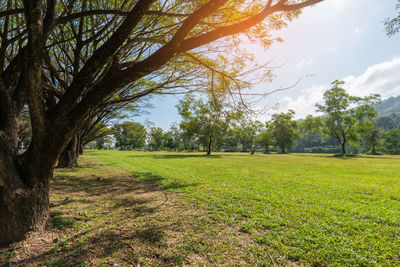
x=173 y=209
x=299 y=208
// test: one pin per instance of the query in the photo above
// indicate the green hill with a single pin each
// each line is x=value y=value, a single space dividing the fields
x=389 y=106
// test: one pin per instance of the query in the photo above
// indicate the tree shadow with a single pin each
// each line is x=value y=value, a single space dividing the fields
x=177 y=156
x=102 y=245
x=91 y=225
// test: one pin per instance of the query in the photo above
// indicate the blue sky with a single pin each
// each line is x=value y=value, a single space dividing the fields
x=334 y=40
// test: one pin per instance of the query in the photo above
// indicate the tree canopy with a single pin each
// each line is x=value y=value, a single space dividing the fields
x=67 y=59
x=343 y=113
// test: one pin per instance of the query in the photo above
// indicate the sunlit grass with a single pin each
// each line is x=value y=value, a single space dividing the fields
x=315 y=209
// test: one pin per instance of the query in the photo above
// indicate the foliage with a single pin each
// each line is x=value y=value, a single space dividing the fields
x=392 y=141
x=344 y=113
x=129 y=135
x=156 y=138
x=393 y=25
x=388 y=122
x=284 y=130
x=265 y=138
x=206 y=122
x=371 y=135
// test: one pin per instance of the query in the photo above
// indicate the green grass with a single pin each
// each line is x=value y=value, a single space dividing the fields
x=312 y=209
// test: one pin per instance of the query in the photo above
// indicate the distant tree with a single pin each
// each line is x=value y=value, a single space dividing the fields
x=207 y=121
x=103 y=142
x=129 y=135
x=392 y=142
x=170 y=143
x=189 y=125
x=248 y=134
x=393 y=25
x=265 y=138
x=371 y=135
x=231 y=140
x=312 y=125
x=284 y=130
x=24 y=129
x=156 y=138
x=176 y=134
x=343 y=112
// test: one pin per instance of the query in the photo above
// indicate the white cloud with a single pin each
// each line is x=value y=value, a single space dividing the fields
x=304 y=63
x=383 y=78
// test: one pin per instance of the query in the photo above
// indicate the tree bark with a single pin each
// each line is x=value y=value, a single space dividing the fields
x=23 y=209
x=373 y=150
x=69 y=157
x=252 y=150
x=24 y=188
x=79 y=146
x=343 y=148
x=209 y=146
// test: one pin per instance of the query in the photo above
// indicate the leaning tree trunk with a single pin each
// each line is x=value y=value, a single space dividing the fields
x=69 y=157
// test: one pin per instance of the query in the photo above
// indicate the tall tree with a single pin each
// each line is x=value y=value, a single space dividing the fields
x=264 y=138
x=371 y=135
x=129 y=135
x=66 y=58
x=284 y=130
x=207 y=121
x=247 y=133
x=156 y=138
x=343 y=113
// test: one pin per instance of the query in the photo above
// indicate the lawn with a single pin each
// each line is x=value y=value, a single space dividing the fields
x=298 y=208
x=172 y=209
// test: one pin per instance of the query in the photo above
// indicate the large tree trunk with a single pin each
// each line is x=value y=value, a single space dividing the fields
x=22 y=209
x=24 y=195
x=24 y=184
x=69 y=157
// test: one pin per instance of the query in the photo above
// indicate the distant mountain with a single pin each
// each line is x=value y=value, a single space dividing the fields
x=389 y=106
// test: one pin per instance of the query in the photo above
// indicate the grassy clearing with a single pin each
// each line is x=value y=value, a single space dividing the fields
x=312 y=209
x=104 y=216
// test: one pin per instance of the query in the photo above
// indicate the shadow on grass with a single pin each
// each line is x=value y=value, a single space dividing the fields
x=103 y=246
x=98 y=222
x=177 y=156
x=328 y=156
x=157 y=180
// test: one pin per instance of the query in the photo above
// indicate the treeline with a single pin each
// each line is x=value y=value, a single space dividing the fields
x=348 y=124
